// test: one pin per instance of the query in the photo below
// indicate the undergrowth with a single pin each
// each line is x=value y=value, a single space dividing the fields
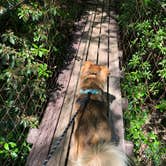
x=34 y=37
x=143 y=36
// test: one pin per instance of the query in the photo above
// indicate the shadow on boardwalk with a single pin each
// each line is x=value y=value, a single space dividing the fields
x=95 y=39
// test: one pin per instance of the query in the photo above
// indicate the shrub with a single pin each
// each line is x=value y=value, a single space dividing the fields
x=33 y=42
x=142 y=24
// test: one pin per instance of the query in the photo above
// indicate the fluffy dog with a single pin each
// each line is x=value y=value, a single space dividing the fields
x=92 y=132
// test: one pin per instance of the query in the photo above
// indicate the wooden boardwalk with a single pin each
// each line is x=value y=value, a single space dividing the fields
x=96 y=41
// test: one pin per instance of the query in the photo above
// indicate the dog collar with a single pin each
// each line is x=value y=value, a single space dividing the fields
x=90 y=91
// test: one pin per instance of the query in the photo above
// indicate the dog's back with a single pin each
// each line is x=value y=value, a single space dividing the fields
x=92 y=133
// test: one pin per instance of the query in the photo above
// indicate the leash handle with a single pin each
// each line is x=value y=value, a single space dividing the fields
x=64 y=133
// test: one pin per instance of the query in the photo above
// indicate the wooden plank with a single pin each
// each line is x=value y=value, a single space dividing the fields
x=51 y=116
x=116 y=115
x=103 y=42
x=60 y=157
x=46 y=129
x=94 y=40
x=103 y=47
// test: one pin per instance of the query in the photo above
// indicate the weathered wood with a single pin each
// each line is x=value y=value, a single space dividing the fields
x=116 y=115
x=46 y=129
x=129 y=148
x=103 y=46
x=94 y=40
x=124 y=103
x=32 y=135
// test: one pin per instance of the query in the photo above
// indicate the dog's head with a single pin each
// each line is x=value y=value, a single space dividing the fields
x=97 y=72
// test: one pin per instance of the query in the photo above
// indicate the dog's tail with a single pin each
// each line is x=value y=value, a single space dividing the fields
x=103 y=155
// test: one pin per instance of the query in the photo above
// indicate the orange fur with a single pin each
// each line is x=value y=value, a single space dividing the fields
x=92 y=133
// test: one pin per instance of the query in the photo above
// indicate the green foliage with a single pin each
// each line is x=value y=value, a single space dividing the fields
x=142 y=23
x=39 y=50
x=161 y=106
x=33 y=40
x=30 y=12
x=9 y=150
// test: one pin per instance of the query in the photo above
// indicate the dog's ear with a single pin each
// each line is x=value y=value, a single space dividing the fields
x=104 y=73
x=86 y=66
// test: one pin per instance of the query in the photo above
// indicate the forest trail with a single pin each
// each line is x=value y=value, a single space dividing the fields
x=96 y=39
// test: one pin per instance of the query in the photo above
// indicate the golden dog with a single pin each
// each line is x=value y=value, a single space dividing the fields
x=92 y=132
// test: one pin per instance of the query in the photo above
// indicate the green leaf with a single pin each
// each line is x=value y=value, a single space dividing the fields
x=161 y=106
x=146 y=2
x=40 y=54
x=14 y=154
x=12 y=144
x=6 y=146
x=12 y=41
x=35 y=46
